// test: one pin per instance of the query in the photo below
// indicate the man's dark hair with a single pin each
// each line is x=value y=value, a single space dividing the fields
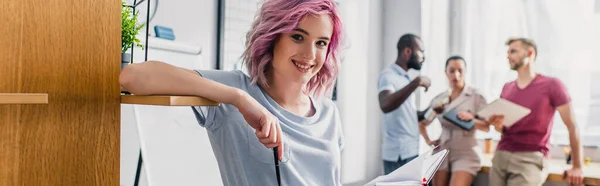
x=406 y=41
x=526 y=42
x=456 y=58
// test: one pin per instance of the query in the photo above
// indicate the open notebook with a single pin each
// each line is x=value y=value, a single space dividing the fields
x=419 y=171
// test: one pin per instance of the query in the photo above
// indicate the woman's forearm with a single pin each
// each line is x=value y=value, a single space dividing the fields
x=158 y=78
x=423 y=131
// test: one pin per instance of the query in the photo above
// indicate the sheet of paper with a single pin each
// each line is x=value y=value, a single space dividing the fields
x=403 y=183
x=409 y=172
x=424 y=166
x=512 y=112
x=432 y=163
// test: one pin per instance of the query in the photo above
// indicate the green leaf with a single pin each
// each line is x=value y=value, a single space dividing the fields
x=129 y=28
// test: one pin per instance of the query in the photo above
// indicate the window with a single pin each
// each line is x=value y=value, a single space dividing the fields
x=566 y=34
x=237 y=21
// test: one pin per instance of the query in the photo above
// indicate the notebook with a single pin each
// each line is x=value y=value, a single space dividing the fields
x=452 y=116
x=512 y=112
x=417 y=172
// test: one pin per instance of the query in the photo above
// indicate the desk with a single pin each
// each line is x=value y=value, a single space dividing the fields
x=591 y=173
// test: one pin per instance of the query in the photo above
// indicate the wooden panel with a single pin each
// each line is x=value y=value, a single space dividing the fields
x=11 y=14
x=69 y=49
x=9 y=151
x=168 y=100
x=23 y=98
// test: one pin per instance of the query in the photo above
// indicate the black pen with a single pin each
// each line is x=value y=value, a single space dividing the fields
x=276 y=165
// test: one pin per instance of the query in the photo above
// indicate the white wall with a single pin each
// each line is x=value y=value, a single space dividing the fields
x=352 y=99
x=372 y=35
x=399 y=18
x=375 y=63
x=193 y=22
x=239 y=15
x=171 y=136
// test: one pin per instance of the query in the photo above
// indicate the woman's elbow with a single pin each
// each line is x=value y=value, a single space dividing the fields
x=127 y=77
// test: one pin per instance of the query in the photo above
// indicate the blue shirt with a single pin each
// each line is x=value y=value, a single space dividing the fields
x=400 y=127
x=312 y=144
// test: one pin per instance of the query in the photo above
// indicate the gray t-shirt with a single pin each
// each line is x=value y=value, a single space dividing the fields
x=312 y=144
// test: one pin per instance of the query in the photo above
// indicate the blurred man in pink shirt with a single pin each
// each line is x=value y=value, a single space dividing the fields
x=522 y=154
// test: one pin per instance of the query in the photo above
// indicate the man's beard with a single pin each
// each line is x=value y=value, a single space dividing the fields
x=413 y=62
x=517 y=66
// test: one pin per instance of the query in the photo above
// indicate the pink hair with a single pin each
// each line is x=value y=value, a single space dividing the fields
x=281 y=16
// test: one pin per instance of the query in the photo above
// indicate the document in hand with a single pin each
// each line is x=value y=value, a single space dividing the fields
x=512 y=112
x=417 y=172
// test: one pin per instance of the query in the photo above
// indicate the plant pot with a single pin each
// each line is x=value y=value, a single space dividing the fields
x=125 y=60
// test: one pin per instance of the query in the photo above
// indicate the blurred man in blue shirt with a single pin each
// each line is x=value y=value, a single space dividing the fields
x=400 y=127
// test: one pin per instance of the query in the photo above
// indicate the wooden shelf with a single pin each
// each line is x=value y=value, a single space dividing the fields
x=23 y=98
x=173 y=46
x=167 y=100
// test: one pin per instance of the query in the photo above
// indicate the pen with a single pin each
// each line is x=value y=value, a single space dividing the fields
x=276 y=165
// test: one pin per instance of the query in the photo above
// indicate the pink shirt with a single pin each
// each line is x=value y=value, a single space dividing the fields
x=532 y=132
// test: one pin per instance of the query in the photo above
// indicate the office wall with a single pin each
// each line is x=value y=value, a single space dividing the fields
x=399 y=17
x=372 y=36
x=193 y=22
x=353 y=85
x=375 y=63
x=171 y=135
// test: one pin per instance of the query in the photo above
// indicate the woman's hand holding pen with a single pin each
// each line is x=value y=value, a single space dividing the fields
x=266 y=124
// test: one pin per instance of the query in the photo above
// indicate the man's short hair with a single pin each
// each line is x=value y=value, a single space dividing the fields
x=526 y=42
x=406 y=41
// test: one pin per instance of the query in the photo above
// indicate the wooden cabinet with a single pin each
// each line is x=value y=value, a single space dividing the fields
x=69 y=50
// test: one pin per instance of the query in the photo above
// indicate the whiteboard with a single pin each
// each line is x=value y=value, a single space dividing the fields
x=175 y=149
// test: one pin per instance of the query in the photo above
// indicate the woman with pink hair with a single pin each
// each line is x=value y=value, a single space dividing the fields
x=291 y=58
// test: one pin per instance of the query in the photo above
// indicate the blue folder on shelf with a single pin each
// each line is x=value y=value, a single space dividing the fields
x=164 y=32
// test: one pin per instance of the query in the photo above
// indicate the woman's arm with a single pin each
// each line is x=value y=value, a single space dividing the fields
x=423 y=131
x=479 y=124
x=154 y=77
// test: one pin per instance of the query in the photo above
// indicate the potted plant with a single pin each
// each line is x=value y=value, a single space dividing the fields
x=129 y=30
